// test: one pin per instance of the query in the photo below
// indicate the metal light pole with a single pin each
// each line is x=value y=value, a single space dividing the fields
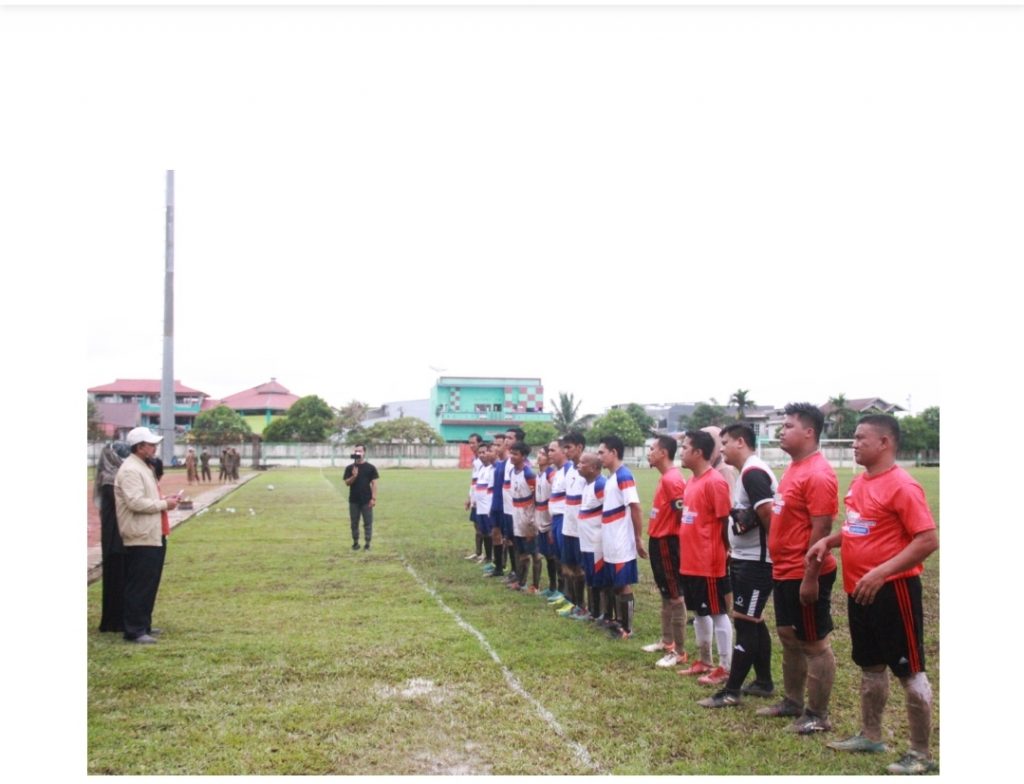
x=167 y=382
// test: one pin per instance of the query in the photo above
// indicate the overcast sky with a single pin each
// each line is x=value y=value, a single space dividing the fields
x=653 y=205
x=656 y=205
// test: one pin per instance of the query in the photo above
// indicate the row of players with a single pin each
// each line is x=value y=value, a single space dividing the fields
x=711 y=545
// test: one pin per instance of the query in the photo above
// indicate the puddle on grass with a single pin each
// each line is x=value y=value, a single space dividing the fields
x=414 y=688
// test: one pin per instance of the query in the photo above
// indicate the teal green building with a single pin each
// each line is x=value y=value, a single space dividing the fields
x=464 y=405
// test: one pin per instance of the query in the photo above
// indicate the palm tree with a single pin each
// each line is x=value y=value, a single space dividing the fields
x=840 y=415
x=740 y=398
x=566 y=416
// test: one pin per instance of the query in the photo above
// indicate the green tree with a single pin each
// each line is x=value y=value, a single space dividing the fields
x=920 y=433
x=644 y=421
x=351 y=414
x=278 y=431
x=311 y=419
x=741 y=399
x=842 y=420
x=220 y=425
x=566 y=414
x=404 y=430
x=539 y=433
x=617 y=423
x=94 y=425
x=703 y=414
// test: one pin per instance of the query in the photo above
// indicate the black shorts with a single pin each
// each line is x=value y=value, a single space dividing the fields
x=890 y=630
x=751 y=586
x=812 y=622
x=664 y=555
x=706 y=595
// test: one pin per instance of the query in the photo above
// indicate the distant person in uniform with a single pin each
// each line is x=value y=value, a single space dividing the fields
x=190 y=466
x=204 y=465
x=361 y=478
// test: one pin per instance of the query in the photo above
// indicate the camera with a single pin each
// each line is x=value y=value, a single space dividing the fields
x=355 y=456
x=744 y=520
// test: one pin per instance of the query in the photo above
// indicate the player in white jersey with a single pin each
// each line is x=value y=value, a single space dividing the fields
x=572 y=565
x=591 y=548
x=621 y=532
x=556 y=506
x=474 y=442
x=545 y=536
x=750 y=567
x=523 y=488
x=482 y=496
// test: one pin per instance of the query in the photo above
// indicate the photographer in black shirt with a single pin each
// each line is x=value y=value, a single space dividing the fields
x=361 y=478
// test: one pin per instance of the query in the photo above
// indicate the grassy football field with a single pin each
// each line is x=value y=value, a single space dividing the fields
x=285 y=652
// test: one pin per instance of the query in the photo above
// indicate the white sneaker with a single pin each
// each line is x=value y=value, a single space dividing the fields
x=470 y=557
x=670 y=659
x=654 y=647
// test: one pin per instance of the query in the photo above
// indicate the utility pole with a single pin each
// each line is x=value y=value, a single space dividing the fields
x=167 y=382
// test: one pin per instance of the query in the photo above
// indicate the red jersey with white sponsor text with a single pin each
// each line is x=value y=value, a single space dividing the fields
x=706 y=499
x=617 y=535
x=667 y=510
x=883 y=515
x=808 y=489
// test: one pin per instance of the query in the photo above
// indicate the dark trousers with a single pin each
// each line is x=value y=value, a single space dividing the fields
x=143 y=567
x=354 y=512
x=112 y=619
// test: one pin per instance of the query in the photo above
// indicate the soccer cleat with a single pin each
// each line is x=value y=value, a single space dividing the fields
x=355 y=545
x=493 y=573
x=566 y=611
x=858 y=743
x=512 y=585
x=654 y=647
x=715 y=677
x=561 y=604
x=786 y=707
x=758 y=689
x=616 y=632
x=721 y=699
x=697 y=668
x=556 y=597
x=912 y=763
x=489 y=567
x=546 y=593
x=808 y=724
x=671 y=659
x=580 y=614
x=533 y=590
x=470 y=557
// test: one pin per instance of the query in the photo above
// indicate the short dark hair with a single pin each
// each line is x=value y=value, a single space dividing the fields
x=886 y=422
x=809 y=415
x=360 y=445
x=520 y=447
x=705 y=442
x=574 y=437
x=474 y=435
x=669 y=445
x=615 y=444
x=520 y=434
x=738 y=431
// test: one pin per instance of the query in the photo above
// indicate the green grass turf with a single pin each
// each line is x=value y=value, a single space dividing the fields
x=286 y=652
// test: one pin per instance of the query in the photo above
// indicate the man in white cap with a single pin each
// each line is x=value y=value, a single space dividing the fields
x=142 y=522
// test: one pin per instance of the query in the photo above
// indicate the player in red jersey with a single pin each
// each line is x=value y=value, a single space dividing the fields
x=805 y=505
x=888 y=533
x=663 y=548
x=703 y=553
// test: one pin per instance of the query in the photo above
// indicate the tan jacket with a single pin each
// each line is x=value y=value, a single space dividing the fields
x=138 y=503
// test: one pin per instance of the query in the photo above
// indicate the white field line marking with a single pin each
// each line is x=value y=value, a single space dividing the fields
x=578 y=750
